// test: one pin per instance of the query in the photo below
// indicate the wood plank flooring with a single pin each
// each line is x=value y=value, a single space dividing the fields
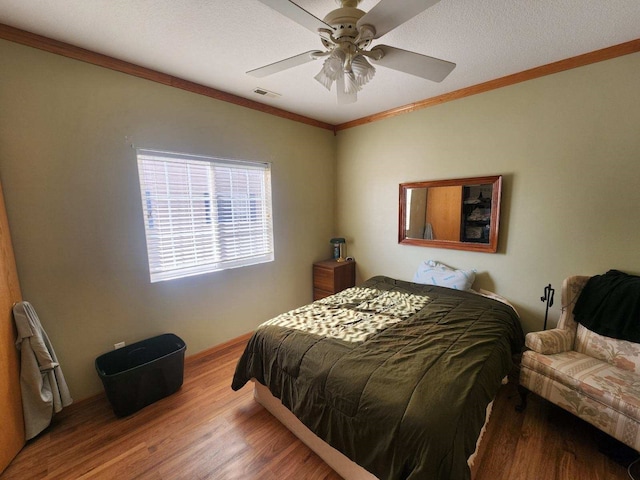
x=208 y=431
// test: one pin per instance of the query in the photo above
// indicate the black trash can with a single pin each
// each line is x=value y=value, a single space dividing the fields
x=142 y=373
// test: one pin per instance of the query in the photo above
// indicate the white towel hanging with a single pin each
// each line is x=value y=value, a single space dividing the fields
x=44 y=389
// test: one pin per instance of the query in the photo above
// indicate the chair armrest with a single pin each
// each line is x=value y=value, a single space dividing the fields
x=551 y=341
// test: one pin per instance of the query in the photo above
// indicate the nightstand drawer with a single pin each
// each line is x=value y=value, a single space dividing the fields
x=323 y=278
x=318 y=294
x=330 y=276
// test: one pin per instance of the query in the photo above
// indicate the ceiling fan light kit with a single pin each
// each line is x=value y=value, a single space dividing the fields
x=346 y=34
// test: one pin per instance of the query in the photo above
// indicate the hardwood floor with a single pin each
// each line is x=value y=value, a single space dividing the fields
x=208 y=431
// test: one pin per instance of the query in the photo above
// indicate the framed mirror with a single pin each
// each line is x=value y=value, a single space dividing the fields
x=462 y=213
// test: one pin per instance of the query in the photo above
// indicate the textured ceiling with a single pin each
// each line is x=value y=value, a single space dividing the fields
x=214 y=42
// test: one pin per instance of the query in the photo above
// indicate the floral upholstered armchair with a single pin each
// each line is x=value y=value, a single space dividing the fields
x=592 y=376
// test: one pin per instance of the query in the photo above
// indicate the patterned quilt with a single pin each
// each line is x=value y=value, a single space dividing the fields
x=352 y=315
x=395 y=375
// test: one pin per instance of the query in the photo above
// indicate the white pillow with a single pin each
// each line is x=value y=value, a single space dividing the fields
x=436 y=273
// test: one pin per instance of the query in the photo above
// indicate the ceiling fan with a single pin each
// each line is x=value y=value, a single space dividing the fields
x=346 y=34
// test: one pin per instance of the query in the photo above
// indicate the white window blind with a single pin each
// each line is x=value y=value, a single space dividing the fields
x=204 y=214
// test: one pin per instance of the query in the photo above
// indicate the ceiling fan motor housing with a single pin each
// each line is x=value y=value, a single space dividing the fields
x=343 y=21
x=348 y=3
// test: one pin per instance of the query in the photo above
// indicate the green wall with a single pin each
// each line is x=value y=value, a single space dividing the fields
x=568 y=146
x=71 y=186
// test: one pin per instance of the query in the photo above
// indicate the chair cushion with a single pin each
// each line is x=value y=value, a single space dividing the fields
x=595 y=378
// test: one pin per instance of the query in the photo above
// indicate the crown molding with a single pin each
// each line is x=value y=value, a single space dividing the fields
x=29 y=39
x=40 y=42
x=560 y=66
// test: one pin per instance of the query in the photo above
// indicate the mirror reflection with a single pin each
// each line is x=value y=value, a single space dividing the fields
x=462 y=213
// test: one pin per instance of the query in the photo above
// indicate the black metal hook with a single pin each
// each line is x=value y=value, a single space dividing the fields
x=547 y=297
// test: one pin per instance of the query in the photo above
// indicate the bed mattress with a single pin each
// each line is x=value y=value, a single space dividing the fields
x=397 y=376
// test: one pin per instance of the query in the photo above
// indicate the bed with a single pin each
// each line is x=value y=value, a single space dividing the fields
x=396 y=376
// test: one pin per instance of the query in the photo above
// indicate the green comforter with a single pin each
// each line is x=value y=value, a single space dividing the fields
x=395 y=375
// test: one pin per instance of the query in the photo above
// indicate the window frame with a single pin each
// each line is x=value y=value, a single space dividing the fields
x=187 y=232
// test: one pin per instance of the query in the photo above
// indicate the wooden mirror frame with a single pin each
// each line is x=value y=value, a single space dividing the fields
x=494 y=225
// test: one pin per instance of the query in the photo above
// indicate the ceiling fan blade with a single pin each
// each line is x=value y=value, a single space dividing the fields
x=388 y=14
x=285 y=64
x=344 y=98
x=423 y=66
x=297 y=14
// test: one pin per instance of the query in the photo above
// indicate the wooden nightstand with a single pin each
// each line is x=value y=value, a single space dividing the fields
x=330 y=276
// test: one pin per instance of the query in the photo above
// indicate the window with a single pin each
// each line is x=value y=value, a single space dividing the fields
x=204 y=214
